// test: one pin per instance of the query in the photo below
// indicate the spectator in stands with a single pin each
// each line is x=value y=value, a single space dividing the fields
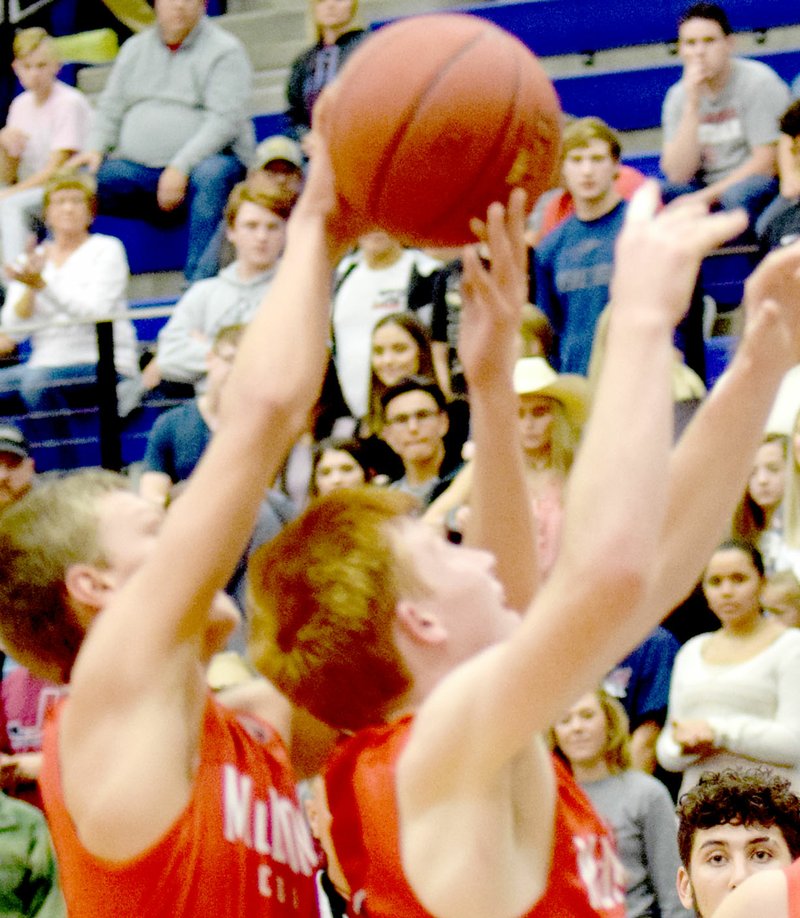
x=780 y=596
x=370 y=283
x=552 y=409
x=415 y=423
x=74 y=275
x=573 y=263
x=172 y=129
x=593 y=738
x=780 y=222
x=179 y=436
x=335 y=29
x=276 y=172
x=733 y=695
x=400 y=347
x=46 y=124
x=732 y=825
x=257 y=235
x=641 y=684
x=17 y=470
x=720 y=120
x=759 y=518
x=29 y=885
x=337 y=463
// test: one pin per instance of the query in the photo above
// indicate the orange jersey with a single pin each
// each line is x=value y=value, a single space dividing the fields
x=586 y=878
x=240 y=849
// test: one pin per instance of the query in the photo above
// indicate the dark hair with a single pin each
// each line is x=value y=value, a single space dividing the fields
x=755 y=796
x=790 y=120
x=746 y=548
x=703 y=10
x=414 y=384
x=340 y=444
x=410 y=323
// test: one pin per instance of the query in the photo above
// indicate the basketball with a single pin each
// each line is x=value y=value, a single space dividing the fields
x=435 y=117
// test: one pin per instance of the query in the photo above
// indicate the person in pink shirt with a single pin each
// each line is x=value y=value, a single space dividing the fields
x=47 y=123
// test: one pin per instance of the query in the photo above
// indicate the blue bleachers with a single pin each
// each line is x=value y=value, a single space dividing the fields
x=150 y=247
x=553 y=27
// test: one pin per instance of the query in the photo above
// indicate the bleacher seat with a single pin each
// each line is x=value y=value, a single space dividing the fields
x=554 y=27
x=149 y=247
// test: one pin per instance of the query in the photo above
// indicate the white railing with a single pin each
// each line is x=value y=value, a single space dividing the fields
x=16 y=11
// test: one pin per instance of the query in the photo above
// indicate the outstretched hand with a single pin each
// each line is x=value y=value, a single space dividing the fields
x=658 y=253
x=493 y=296
x=772 y=307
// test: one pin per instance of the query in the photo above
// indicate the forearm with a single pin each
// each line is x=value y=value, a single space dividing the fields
x=632 y=410
x=22 y=307
x=8 y=168
x=501 y=518
x=757 y=738
x=760 y=163
x=43 y=175
x=698 y=513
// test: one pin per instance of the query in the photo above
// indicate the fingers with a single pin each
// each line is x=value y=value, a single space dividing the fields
x=643 y=206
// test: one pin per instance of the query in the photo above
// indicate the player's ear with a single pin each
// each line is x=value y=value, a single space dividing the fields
x=685 y=890
x=419 y=623
x=87 y=586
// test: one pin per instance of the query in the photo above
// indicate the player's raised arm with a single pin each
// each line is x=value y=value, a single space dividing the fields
x=591 y=608
x=709 y=465
x=501 y=517
x=133 y=718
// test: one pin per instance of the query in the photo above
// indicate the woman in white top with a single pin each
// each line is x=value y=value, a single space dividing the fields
x=735 y=693
x=74 y=275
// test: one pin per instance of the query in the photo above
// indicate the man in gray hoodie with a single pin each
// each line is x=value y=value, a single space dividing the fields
x=231 y=298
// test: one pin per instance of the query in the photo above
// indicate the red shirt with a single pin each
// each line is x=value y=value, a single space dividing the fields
x=586 y=881
x=561 y=206
x=240 y=849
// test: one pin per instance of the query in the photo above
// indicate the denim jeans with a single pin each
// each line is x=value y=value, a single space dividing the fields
x=127 y=189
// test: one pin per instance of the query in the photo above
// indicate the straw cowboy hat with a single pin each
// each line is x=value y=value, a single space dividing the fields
x=535 y=376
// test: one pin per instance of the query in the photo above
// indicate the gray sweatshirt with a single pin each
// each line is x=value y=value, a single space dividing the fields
x=206 y=307
x=175 y=108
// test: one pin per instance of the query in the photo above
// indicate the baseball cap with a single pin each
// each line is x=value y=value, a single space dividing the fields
x=13 y=441
x=277 y=147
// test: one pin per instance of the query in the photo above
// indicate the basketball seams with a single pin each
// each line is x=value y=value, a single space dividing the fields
x=413 y=111
x=499 y=150
x=437 y=121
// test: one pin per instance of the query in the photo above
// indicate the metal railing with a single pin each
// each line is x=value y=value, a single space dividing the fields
x=109 y=424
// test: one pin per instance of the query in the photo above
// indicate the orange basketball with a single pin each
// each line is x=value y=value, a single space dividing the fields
x=436 y=117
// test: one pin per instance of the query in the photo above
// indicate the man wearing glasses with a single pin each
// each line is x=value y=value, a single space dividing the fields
x=415 y=424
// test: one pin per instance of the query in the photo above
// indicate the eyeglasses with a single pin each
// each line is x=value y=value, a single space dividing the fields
x=403 y=420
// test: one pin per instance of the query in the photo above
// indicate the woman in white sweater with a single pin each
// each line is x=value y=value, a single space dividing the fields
x=735 y=692
x=74 y=275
